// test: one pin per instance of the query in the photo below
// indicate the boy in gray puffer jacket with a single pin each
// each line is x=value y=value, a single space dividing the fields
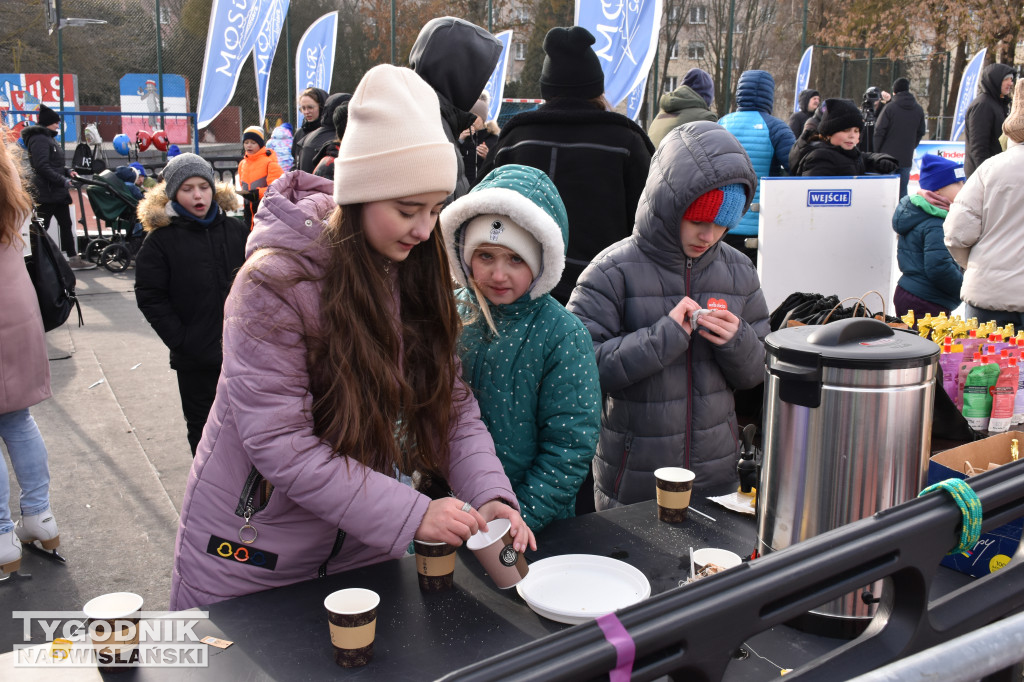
x=668 y=392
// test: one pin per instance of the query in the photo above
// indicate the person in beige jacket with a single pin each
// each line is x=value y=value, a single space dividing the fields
x=985 y=225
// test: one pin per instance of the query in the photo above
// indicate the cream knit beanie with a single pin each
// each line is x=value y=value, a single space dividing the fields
x=1013 y=126
x=394 y=144
x=501 y=231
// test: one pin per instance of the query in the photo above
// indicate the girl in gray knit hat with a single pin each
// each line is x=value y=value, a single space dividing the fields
x=183 y=273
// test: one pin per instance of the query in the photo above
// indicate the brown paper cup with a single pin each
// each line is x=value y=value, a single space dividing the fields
x=494 y=551
x=353 y=619
x=674 y=485
x=113 y=625
x=435 y=564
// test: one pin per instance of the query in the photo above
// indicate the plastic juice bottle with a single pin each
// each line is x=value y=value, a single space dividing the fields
x=978 y=394
x=949 y=363
x=972 y=343
x=1003 y=397
x=1018 y=399
x=966 y=363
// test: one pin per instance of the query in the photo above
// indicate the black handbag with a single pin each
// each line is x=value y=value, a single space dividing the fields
x=53 y=279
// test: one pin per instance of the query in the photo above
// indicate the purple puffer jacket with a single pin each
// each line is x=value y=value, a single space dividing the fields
x=325 y=514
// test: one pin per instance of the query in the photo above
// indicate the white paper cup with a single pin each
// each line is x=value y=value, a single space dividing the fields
x=674 y=485
x=353 y=617
x=722 y=558
x=113 y=623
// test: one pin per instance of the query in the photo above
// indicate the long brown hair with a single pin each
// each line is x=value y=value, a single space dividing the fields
x=15 y=203
x=382 y=386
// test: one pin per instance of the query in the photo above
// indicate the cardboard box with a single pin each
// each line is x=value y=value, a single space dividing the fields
x=995 y=548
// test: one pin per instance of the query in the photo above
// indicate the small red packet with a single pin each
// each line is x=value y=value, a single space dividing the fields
x=717 y=304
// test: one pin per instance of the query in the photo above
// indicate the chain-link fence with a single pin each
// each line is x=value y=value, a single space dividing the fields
x=849 y=72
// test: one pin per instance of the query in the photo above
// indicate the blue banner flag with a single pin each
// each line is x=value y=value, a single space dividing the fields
x=496 y=84
x=968 y=89
x=627 y=36
x=635 y=101
x=803 y=76
x=265 y=47
x=314 y=59
x=234 y=26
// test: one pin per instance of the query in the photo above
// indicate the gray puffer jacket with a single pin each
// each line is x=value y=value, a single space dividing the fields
x=668 y=398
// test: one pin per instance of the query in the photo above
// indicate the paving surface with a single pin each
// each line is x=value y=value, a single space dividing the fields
x=119 y=461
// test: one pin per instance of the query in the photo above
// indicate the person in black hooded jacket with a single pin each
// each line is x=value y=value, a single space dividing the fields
x=311 y=103
x=986 y=114
x=183 y=273
x=832 y=149
x=51 y=181
x=321 y=141
x=456 y=58
x=809 y=101
x=598 y=159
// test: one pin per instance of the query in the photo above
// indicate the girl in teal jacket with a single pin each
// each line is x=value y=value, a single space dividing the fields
x=529 y=361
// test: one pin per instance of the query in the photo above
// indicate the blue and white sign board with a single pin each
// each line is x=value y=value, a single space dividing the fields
x=954 y=151
x=140 y=93
x=967 y=92
x=803 y=76
x=627 y=38
x=314 y=58
x=495 y=87
x=827 y=235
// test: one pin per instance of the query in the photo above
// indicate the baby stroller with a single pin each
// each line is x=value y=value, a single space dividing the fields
x=114 y=204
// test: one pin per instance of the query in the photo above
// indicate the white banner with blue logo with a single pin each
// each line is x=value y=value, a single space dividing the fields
x=968 y=89
x=230 y=39
x=496 y=84
x=627 y=37
x=314 y=59
x=803 y=76
x=265 y=47
x=635 y=100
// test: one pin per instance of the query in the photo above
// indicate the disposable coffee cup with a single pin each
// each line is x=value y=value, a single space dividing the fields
x=113 y=625
x=435 y=565
x=722 y=558
x=495 y=552
x=353 y=617
x=673 y=492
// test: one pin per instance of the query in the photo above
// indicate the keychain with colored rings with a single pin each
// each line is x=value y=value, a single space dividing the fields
x=242 y=532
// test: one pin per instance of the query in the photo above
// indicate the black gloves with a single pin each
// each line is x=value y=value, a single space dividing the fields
x=885 y=164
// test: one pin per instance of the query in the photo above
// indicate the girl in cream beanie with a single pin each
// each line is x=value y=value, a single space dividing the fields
x=340 y=380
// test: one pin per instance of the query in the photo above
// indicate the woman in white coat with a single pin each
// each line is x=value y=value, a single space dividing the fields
x=985 y=225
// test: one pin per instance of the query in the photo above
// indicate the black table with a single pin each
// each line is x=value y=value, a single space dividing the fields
x=283 y=633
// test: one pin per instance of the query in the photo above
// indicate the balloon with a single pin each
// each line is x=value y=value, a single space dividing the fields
x=160 y=140
x=122 y=144
x=143 y=140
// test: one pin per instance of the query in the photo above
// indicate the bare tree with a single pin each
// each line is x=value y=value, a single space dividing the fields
x=754 y=33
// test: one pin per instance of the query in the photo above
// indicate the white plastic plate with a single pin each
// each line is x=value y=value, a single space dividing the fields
x=574 y=588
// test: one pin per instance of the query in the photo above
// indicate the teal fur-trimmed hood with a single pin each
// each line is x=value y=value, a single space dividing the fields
x=528 y=197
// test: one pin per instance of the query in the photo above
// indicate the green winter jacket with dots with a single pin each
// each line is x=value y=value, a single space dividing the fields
x=540 y=397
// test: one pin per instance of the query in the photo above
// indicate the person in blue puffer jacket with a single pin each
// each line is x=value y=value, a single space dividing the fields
x=766 y=139
x=529 y=361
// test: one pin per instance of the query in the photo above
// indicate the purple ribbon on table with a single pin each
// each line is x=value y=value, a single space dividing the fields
x=625 y=648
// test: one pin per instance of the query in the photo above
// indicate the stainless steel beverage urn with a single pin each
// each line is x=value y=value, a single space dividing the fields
x=847 y=433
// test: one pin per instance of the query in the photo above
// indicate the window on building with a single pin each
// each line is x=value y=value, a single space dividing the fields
x=671 y=83
x=695 y=51
x=673 y=52
x=165 y=15
x=673 y=13
x=698 y=14
x=520 y=51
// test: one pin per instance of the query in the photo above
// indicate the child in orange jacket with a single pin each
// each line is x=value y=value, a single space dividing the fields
x=257 y=171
